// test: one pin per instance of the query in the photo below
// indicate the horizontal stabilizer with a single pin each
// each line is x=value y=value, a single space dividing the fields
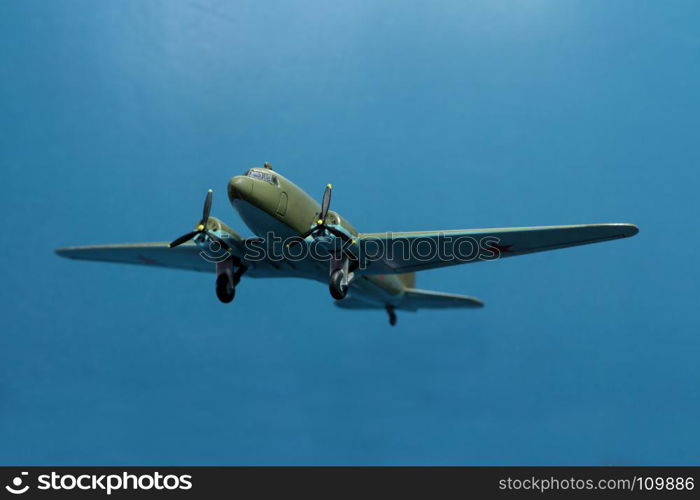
x=414 y=299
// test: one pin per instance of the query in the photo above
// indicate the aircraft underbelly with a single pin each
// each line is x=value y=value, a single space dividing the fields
x=375 y=289
x=262 y=223
x=371 y=291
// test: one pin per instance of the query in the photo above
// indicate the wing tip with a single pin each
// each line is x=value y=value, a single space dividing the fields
x=476 y=303
x=62 y=252
x=627 y=229
x=71 y=252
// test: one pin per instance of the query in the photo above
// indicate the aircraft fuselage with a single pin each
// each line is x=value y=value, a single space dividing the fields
x=270 y=203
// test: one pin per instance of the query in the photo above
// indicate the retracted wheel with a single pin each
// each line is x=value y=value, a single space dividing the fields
x=225 y=289
x=336 y=286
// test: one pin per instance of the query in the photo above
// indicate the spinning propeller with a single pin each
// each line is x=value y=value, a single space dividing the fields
x=201 y=228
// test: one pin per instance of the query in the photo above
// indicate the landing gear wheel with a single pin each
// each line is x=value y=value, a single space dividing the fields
x=225 y=291
x=392 y=315
x=337 y=288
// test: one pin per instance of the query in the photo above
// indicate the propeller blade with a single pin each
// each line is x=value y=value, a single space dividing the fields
x=207 y=208
x=325 y=204
x=183 y=239
x=202 y=228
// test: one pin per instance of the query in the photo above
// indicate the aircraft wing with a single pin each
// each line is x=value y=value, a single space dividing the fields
x=404 y=252
x=186 y=256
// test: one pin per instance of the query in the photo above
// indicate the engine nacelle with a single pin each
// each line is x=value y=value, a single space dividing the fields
x=224 y=232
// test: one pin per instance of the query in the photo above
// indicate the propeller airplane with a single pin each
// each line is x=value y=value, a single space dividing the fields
x=298 y=237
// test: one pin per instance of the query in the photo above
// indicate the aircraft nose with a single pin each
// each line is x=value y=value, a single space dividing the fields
x=240 y=187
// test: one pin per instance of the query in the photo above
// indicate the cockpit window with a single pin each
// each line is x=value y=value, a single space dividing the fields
x=265 y=176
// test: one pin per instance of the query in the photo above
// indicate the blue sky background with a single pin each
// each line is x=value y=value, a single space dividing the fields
x=115 y=117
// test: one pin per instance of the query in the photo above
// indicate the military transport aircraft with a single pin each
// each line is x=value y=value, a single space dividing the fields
x=298 y=237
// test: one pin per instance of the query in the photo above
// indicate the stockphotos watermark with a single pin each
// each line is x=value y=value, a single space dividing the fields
x=105 y=483
x=387 y=247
